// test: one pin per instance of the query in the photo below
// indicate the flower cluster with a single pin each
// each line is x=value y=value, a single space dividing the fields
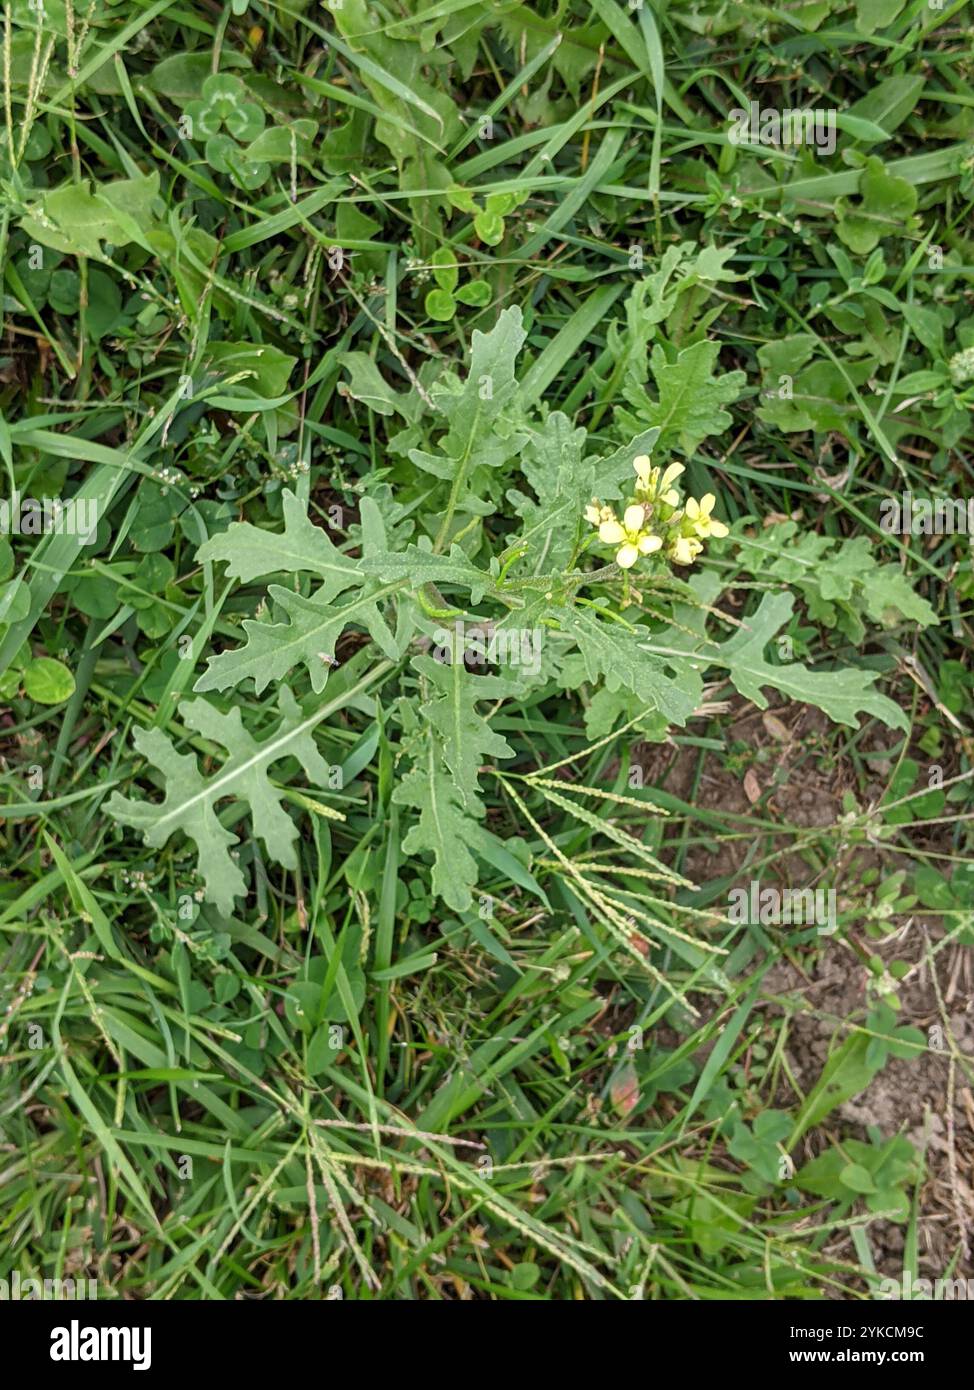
x=961 y=367
x=654 y=519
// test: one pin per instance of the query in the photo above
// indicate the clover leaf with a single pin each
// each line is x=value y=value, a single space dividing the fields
x=228 y=158
x=224 y=106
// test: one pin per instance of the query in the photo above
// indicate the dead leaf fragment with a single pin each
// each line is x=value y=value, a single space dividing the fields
x=775 y=727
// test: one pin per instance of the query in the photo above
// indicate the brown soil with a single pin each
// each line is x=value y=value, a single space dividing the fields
x=787 y=773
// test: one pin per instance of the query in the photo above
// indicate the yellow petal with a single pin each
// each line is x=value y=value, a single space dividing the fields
x=627 y=556
x=672 y=473
x=671 y=497
x=611 y=532
x=647 y=544
x=707 y=503
x=682 y=553
x=642 y=467
x=692 y=508
x=717 y=528
x=633 y=517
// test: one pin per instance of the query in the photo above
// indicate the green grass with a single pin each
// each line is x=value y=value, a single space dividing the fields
x=518 y=1103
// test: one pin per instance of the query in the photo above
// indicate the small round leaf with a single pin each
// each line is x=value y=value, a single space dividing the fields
x=440 y=305
x=475 y=292
x=444 y=264
x=48 y=682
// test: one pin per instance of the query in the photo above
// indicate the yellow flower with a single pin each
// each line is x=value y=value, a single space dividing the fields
x=596 y=513
x=643 y=470
x=630 y=536
x=685 y=550
x=698 y=513
x=655 y=486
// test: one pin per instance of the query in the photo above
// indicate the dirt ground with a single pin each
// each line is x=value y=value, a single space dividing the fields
x=929 y=1097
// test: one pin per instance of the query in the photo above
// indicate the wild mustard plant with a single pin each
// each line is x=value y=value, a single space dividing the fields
x=396 y=591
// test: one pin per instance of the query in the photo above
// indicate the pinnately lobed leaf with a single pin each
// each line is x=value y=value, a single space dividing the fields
x=841 y=694
x=442 y=784
x=314 y=624
x=190 y=800
x=474 y=410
